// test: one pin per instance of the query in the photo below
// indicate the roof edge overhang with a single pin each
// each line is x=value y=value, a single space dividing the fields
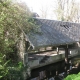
x=55 y=45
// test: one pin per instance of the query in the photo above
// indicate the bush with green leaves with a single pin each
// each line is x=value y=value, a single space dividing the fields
x=73 y=77
x=3 y=66
x=9 y=70
x=15 y=72
x=14 y=18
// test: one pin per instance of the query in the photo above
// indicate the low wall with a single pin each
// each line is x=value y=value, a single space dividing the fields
x=52 y=59
x=33 y=63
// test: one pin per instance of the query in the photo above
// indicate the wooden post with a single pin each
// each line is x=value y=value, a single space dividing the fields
x=57 y=49
x=66 y=54
x=56 y=72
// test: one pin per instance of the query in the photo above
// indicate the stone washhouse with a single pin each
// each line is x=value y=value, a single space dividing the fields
x=53 y=41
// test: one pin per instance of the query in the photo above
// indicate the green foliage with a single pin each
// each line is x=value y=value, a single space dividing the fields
x=73 y=77
x=14 y=19
x=15 y=72
x=9 y=71
x=3 y=67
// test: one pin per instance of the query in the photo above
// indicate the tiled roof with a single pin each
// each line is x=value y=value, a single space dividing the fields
x=53 y=33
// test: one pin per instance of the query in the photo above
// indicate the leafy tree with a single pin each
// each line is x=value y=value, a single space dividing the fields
x=14 y=20
x=67 y=10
